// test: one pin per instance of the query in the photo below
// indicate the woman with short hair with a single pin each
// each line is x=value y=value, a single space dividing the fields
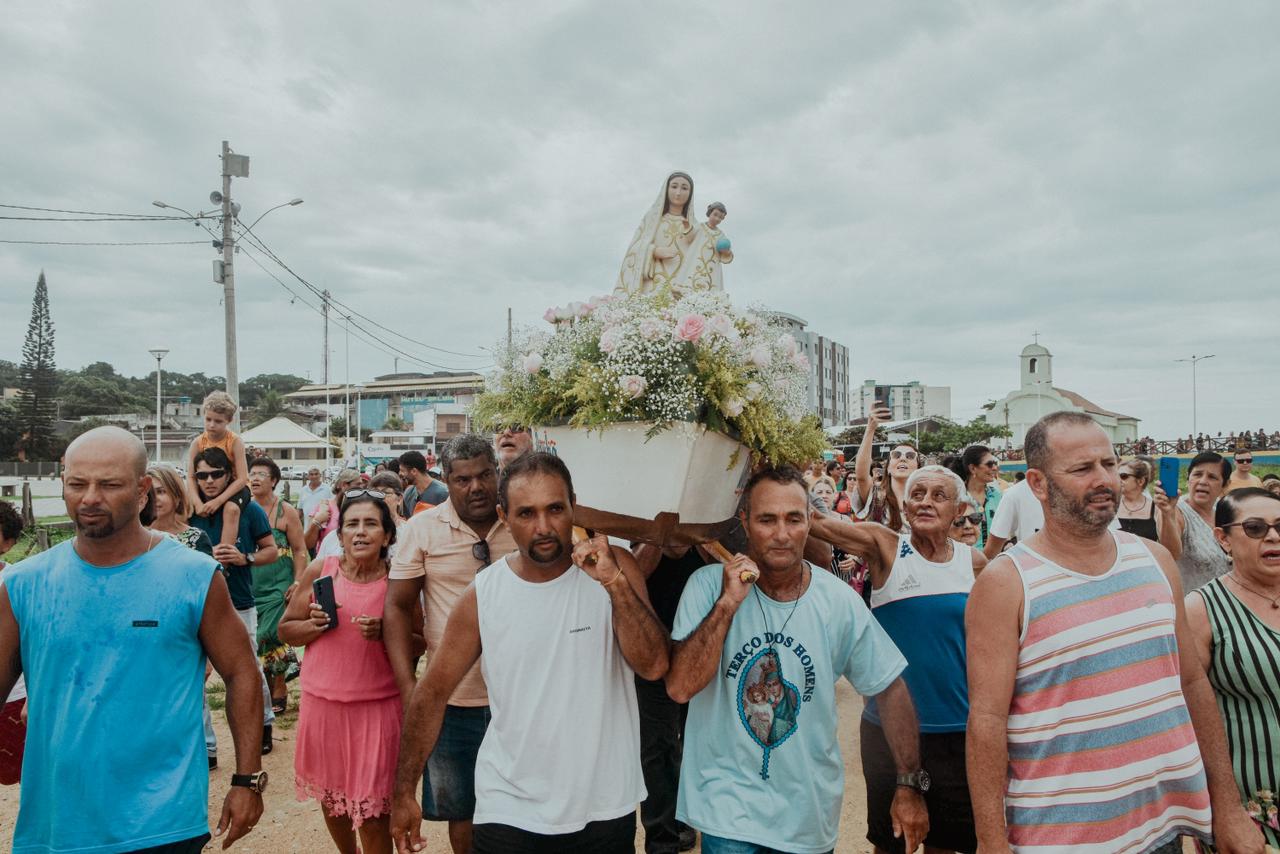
x=1235 y=622
x=968 y=521
x=1190 y=538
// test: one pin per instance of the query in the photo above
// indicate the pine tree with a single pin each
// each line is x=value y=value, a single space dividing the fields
x=37 y=381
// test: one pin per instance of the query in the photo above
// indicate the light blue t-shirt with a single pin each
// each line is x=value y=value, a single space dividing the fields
x=115 y=756
x=761 y=760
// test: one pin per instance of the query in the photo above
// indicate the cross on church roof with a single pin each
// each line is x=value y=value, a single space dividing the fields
x=1036 y=337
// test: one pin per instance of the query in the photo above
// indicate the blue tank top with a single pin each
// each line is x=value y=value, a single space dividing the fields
x=920 y=594
x=115 y=756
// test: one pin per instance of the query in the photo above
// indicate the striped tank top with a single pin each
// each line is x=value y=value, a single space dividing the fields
x=1102 y=755
x=1244 y=669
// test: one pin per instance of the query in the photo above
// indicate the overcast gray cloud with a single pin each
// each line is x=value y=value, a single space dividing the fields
x=928 y=183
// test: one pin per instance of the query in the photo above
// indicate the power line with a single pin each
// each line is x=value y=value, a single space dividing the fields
x=79 y=243
x=361 y=333
x=95 y=218
x=95 y=213
x=253 y=239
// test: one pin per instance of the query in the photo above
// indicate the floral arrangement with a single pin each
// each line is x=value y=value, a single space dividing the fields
x=1262 y=809
x=653 y=357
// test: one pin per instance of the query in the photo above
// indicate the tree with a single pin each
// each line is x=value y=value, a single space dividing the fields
x=952 y=437
x=853 y=435
x=338 y=427
x=9 y=430
x=394 y=423
x=252 y=389
x=37 y=381
x=270 y=404
x=89 y=394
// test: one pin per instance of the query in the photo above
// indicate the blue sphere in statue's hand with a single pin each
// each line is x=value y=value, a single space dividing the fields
x=722 y=245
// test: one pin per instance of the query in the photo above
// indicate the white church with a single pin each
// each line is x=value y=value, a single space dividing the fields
x=1037 y=397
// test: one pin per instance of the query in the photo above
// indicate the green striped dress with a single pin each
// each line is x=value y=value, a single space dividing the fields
x=1245 y=673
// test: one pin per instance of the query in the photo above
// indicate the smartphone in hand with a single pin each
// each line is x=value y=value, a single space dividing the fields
x=322 y=592
x=1170 y=469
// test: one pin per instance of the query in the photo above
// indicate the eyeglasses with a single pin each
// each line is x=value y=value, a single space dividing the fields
x=1255 y=529
x=376 y=494
x=480 y=551
x=211 y=475
x=1124 y=475
x=902 y=455
x=992 y=464
x=974 y=519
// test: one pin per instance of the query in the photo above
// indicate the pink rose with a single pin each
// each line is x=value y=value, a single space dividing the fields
x=788 y=344
x=551 y=315
x=760 y=356
x=610 y=339
x=577 y=309
x=801 y=361
x=690 y=327
x=533 y=363
x=722 y=325
x=633 y=385
x=753 y=390
x=733 y=407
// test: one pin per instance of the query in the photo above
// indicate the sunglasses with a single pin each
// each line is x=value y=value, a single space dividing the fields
x=1124 y=475
x=992 y=464
x=1244 y=461
x=376 y=494
x=510 y=428
x=1255 y=529
x=480 y=551
x=902 y=455
x=211 y=475
x=974 y=519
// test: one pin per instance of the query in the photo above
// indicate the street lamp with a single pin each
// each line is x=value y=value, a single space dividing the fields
x=225 y=272
x=359 y=425
x=159 y=353
x=1193 y=360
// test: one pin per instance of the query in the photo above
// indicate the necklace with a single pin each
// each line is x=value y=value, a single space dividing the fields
x=794 y=604
x=1275 y=602
x=1141 y=504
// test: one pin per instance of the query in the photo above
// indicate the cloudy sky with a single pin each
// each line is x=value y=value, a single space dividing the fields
x=929 y=183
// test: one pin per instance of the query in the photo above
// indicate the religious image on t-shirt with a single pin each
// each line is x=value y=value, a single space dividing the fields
x=768 y=704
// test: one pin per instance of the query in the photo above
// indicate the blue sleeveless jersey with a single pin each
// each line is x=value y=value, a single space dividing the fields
x=115 y=757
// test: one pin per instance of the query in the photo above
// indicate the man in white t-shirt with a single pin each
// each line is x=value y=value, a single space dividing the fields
x=313 y=493
x=564 y=630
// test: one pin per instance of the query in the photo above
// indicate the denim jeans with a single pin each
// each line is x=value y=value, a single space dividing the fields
x=249 y=616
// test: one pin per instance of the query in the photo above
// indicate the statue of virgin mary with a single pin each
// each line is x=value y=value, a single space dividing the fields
x=657 y=254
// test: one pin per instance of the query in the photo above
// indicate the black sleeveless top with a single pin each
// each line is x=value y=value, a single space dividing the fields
x=1142 y=527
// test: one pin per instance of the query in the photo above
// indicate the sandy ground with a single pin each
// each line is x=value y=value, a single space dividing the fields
x=290 y=826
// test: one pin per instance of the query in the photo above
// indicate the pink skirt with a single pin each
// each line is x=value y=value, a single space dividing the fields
x=345 y=756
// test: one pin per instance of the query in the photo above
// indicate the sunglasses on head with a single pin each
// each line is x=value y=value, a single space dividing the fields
x=480 y=551
x=211 y=475
x=1255 y=529
x=974 y=519
x=902 y=455
x=376 y=494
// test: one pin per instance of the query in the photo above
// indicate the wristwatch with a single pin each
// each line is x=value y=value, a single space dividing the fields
x=254 y=782
x=918 y=780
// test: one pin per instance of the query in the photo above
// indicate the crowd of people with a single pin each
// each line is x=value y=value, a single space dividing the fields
x=1074 y=662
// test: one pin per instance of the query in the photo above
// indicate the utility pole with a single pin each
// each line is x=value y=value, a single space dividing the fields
x=238 y=165
x=328 y=416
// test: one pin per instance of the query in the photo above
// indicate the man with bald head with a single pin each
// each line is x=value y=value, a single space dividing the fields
x=111 y=630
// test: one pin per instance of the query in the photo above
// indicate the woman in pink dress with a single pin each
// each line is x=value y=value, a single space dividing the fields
x=349 y=715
